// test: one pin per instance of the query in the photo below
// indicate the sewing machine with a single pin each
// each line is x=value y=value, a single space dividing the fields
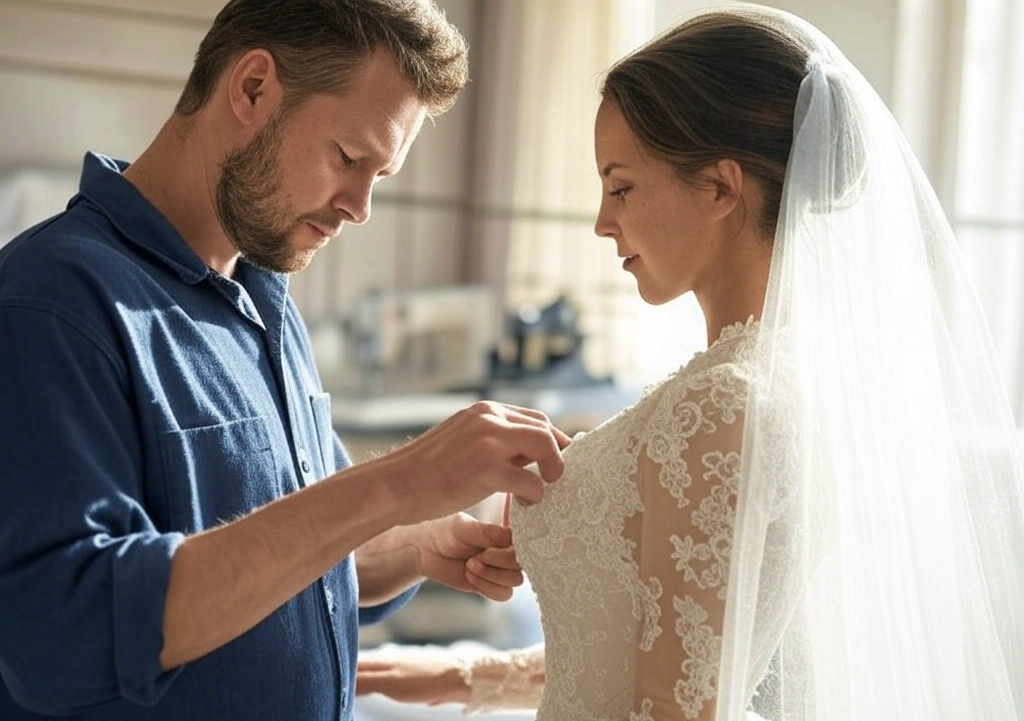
x=421 y=341
x=412 y=358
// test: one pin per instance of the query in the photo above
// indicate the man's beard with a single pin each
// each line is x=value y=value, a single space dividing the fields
x=248 y=207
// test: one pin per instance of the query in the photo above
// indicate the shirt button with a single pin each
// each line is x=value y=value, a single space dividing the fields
x=305 y=466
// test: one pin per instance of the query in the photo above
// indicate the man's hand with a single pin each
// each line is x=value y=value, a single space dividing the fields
x=457 y=551
x=479 y=451
x=482 y=450
x=373 y=510
x=469 y=555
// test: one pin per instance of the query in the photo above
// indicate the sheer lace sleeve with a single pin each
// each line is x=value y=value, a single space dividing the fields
x=686 y=475
x=504 y=680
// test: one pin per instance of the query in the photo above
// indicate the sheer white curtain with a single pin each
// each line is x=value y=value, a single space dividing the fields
x=960 y=99
x=536 y=193
x=988 y=198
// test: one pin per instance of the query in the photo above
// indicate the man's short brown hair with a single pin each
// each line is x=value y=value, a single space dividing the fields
x=318 y=45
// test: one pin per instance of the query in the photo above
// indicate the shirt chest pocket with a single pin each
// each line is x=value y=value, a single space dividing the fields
x=320 y=406
x=217 y=473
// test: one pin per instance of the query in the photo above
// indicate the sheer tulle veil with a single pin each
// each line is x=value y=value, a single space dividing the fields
x=877 y=570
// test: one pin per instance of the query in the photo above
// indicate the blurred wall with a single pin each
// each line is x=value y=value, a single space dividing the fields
x=91 y=74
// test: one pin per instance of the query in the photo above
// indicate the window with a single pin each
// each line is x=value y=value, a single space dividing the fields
x=987 y=208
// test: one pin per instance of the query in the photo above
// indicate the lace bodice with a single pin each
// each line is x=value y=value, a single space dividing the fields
x=628 y=553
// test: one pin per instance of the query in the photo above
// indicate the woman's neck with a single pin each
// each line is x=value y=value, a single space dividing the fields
x=737 y=292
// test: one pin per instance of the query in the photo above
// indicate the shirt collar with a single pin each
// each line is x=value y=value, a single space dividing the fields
x=144 y=226
x=136 y=218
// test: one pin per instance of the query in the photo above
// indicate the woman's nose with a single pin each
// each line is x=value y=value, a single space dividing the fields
x=603 y=226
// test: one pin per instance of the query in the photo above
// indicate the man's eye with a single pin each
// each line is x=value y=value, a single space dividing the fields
x=620 y=193
x=345 y=158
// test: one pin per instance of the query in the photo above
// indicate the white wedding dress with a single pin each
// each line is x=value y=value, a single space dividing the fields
x=628 y=553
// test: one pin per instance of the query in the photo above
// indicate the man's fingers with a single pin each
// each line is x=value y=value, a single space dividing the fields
x=508 y=578
x=538 y=454
x=562 y=438
x=494 y=572
x=512 y=408
x=498 y=558
x=539 y=419
x=525 y=485
x=527 y=418
x=489 y=589
x=551 y=468
x=542 y=459
x=481 y=534
x=475 y=453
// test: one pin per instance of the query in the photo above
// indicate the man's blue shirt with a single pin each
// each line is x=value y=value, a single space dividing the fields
x=144 y=397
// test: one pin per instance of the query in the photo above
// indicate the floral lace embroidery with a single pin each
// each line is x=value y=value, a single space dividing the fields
x=649 y=595
x=645 y=711
x=715 y=518
x=579 y=545
x=700 y=671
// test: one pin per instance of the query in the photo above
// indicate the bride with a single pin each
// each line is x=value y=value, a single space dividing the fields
x=818 y=518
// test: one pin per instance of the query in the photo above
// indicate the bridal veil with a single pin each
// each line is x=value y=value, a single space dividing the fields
x=877 y=569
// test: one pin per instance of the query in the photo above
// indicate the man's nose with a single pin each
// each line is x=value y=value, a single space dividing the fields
x=354 y=201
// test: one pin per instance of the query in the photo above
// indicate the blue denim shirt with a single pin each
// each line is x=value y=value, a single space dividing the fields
x=143 y=397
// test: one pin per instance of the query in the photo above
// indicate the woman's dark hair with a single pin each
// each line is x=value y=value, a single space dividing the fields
x=721 y=85
x=318 y=45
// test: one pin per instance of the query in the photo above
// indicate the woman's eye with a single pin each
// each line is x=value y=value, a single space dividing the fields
x=620 y=193
x=345 y=157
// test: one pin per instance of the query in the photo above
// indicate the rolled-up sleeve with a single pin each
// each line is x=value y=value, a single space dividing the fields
x=83 y=569
x=370 y=615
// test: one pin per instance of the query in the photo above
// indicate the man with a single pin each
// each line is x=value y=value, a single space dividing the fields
x=165 y=551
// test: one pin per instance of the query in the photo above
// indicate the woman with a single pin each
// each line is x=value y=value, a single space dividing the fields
x=820 y=516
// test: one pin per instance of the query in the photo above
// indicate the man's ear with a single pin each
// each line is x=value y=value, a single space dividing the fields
x=254 y=89
x=726 y=177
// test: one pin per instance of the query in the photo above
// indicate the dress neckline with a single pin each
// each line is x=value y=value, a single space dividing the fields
x=739 y=329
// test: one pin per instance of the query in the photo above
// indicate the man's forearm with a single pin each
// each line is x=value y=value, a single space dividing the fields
x=226 y=580
x=388 y=565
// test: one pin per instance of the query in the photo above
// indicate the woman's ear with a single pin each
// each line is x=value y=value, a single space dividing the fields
x=726 y=178
x=254 y=90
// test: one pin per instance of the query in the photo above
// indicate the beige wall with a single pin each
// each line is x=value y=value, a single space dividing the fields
x=99 y=74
